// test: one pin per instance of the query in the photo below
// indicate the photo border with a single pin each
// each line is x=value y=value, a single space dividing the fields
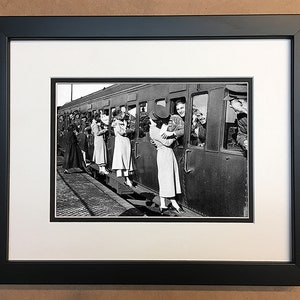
x=157 y=28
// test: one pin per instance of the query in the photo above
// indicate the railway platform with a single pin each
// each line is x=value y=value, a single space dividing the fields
x=80 y=194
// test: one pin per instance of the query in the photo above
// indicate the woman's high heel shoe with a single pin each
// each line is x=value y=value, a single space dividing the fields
x=128 y=183
x=162 y=209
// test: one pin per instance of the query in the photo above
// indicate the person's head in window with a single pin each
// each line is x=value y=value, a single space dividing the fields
x=199 y=116
x=180 y=108
x=237 y=97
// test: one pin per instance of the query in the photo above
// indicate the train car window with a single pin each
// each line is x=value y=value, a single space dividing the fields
x=161 y=102
x=111 y=130
x=131 y=110
x=199 y=113
x=111 y=111
x=143 y=107
x=176 y=123
x=143 y=120
x=230 y=130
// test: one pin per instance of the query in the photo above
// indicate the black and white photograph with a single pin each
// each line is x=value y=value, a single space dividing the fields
x=152 y=150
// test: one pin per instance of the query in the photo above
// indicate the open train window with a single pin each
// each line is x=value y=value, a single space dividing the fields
x=131 y=110
x=198 y=119
x=176 y=124
x=231 y=130
x=111 y=130
x=112 y=109
x=143 y=119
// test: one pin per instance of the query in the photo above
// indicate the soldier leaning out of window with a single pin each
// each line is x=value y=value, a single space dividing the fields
x=237 y=97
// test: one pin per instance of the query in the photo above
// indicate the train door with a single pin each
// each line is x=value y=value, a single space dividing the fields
x=144 y=152
x=214 y=177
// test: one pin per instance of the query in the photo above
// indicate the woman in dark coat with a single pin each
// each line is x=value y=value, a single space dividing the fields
x=73 y=156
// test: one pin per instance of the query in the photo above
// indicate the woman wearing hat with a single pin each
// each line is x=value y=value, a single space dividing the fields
x=168 y=174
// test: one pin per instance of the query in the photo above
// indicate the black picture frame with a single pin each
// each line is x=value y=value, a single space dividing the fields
x=154 y=272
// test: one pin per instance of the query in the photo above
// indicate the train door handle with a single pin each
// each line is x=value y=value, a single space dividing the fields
x=136 y=150
x=185 y=161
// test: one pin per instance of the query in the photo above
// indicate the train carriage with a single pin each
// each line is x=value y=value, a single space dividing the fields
x=213 y=171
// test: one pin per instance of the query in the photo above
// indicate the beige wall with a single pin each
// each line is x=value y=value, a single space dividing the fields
x=147 y=7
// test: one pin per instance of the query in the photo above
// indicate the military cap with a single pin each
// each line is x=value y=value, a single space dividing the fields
x=236 y=91
x=159 y=112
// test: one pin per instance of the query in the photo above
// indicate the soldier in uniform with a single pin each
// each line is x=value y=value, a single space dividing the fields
x=237 y=97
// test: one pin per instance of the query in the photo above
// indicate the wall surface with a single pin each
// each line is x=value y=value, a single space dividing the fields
x=146 y=7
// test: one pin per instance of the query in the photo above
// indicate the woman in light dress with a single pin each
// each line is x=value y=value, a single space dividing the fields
x=100 y=154
x=122 y=161
x=168 y=174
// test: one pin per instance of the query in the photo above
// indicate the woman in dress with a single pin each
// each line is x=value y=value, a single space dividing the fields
x=100 y=154
x=122 y=161
x=168 y=174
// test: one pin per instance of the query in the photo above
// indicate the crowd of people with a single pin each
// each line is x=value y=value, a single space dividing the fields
x=85 y=133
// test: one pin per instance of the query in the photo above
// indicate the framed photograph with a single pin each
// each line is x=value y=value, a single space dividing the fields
x=150 y=150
